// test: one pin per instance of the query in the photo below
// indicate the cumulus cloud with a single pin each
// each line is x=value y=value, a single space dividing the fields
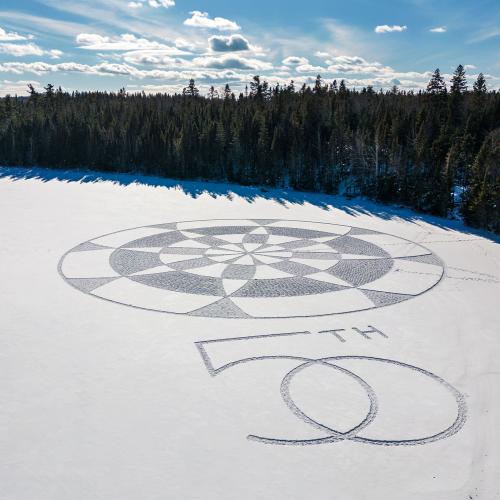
x=27 y=49
x=190 y=46
x=127 y=58
x=157 y=89
x=19 y=50
x=153 y=57
x=200 y=19
x=124 y=42
x=230 y=61
x=309 y=68
x=384 y=28
x=113 y=69
x=55 y=53
x=355 y=64
x=232 y=43
x=438 y=29
x=12 y=36
x=295 y=61
x=19 y=87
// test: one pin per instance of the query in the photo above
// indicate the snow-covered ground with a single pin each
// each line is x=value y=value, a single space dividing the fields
x=280 y=345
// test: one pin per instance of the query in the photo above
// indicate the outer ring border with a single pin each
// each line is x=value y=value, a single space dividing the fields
x=61 y=260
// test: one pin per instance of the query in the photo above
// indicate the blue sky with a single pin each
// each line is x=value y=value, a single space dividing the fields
x=157 y=45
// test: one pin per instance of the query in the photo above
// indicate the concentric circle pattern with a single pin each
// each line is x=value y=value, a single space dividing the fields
x=251 y=268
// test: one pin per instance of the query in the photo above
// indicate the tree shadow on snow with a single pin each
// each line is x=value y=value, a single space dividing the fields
x=355 y=207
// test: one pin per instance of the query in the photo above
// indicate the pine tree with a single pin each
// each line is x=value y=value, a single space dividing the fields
x=480 y=84
x=255 y=87
x=213 y=93
x=32 y=91
x=266 y=90
x=318 y=85
x=49 y=91
x=436 y=84
x=191 y=89
x=458 y=81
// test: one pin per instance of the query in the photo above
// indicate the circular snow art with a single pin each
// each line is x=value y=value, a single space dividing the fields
x=251 y=268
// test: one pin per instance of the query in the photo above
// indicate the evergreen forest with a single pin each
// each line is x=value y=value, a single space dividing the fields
x=436 y=150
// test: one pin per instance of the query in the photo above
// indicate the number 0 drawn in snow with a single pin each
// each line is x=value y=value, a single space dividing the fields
x=251 y=268
x=403 y=404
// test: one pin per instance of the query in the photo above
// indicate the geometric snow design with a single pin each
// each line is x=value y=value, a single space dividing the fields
x=385 y=298
x=128 y=262
x=359 y=272
x=253 y=268
x=89 y=284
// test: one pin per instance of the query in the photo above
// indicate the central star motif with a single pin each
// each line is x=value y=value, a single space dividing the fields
x=248 y=254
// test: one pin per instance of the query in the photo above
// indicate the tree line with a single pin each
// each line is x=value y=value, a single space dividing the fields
x=436 y=150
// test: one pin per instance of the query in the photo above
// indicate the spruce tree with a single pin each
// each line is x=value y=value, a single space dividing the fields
x=458 y=81
x=191 y=89
x=479 y=86
x=436 y=84
x=32 y=91
x=49 y=90
x=255 y=87
x=318 y=85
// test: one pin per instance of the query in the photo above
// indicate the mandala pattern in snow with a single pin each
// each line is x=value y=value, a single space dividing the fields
x=251 y=268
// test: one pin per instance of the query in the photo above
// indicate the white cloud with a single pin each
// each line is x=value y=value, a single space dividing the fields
x=438 y=29
x=384 y=28
x=12 y=36
x=231 y=61
x=295 y=61
x=20 y=50
x=113 y=69
x=200 y=19
x=17 y=88
x=126 y=41
x=152 y=3
x=470 y=66
x=55 y=53
x=191 y=46
x=309 y=68
x=158 y=57
x=355 y=64
x=157 y=89
x=232 y=43
x=28 y=49
x=161 y=3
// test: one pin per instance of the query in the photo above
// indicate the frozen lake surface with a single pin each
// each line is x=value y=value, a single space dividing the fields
x=207 y=341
